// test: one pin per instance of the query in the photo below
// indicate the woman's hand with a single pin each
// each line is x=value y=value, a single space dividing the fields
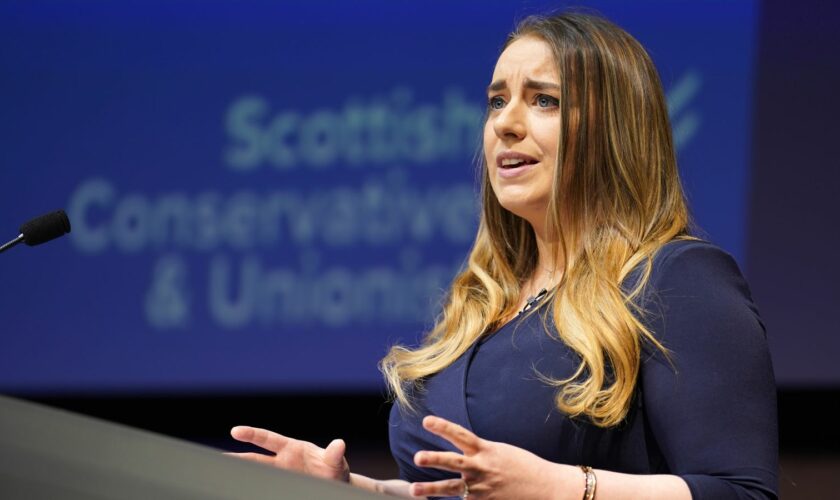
x=490 y=469
x=293 y=454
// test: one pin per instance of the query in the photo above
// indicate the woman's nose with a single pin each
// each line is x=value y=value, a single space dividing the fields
x=509 y=122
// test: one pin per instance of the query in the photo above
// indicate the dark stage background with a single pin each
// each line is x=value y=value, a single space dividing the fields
x=265 y=196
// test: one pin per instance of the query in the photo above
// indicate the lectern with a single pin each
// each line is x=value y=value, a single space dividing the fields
x=46 y=453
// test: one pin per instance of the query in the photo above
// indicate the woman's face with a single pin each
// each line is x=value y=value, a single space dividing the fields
x=523 y=128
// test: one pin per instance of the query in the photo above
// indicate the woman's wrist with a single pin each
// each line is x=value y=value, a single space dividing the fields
x=363 y=482
x=591 y=482
x=568 y=482
x=393 y=487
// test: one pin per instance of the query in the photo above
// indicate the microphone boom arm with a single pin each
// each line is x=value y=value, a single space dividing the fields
x=6 y=246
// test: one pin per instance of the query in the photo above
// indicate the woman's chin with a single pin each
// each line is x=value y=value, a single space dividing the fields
x=525 y=208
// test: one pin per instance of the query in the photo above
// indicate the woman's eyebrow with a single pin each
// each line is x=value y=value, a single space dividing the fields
x=530 y=84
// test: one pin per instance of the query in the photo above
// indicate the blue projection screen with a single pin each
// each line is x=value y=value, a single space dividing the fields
x=265 y=196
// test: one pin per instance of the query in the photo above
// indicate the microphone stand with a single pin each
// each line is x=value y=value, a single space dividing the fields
x=12 y=243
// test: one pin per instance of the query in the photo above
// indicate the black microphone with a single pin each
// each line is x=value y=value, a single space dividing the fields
x=41 y=230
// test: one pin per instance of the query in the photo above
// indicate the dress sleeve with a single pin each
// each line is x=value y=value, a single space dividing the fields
x=711 y=402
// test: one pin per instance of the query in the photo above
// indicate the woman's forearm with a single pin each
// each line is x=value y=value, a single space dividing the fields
x=610 y=486
x=394 y=487
x=620 y=486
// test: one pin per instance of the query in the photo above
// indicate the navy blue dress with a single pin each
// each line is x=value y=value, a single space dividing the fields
x=708 y=416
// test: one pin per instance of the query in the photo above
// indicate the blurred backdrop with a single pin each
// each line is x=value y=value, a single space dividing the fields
x=265 y=196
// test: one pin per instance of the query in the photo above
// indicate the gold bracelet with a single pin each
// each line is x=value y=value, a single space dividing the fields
x=591 y=482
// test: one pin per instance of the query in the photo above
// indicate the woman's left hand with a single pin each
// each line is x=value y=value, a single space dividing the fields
x=488 y=469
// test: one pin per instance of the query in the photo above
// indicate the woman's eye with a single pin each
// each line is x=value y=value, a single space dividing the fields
x=545 y=101
x=495 y=103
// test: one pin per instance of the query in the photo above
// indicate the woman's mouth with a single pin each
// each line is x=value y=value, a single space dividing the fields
x=514 y=170
x=511 y=163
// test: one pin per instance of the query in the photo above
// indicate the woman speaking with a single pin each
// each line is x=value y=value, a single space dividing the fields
x=591 y=348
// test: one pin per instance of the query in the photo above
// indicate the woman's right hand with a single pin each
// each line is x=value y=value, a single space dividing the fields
x=293 y=454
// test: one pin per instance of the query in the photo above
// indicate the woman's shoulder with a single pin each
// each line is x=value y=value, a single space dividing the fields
x=691 y=271
x=698 y=279
x=694 y=263
x=692 y=250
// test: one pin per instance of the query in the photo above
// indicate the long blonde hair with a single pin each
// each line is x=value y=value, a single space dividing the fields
x=619 y=193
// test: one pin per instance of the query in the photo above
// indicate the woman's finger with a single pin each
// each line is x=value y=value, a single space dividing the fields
x=463 y=439
x=254 y=457
x=444 y=488
x=271 y=441
x=334 y=453
x=445 y=460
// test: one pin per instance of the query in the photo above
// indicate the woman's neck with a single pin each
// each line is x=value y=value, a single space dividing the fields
x=549 y=269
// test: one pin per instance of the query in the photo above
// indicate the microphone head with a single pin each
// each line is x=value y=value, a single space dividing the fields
x=45 y=228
